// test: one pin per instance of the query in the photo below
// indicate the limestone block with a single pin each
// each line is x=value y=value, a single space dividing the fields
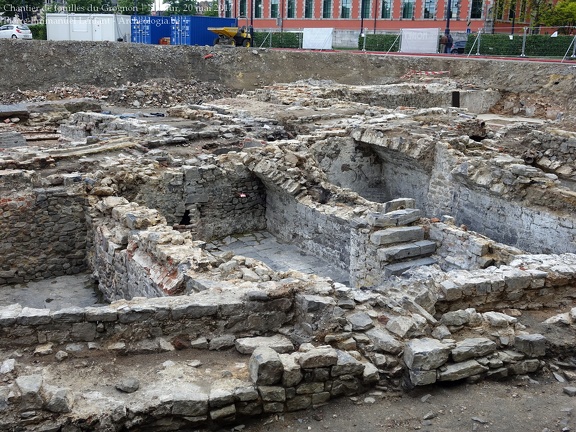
x=292 y=373
x=85 y=332
x=272 y=393
x=497 y=319
x=460 y=371
x=370 y=374
x=265 y=366
x=524 y=367
x=451 y=290
x=9 y=314
x=425 y=354
x=406 y=326
x=29 y=386
x=346 y=365
x=273 y=407
x=104 y=314
x=384 y=341
x=221 y=342
x=422 y=377
x=360 y=321
x=397 y=235
x=280 y=344
x=393 y=218
x=7 y=366
x=398 y=204
x=226 y=412
x=318 y=358
x=192 y=311
x=70 y=315
x=31 y=316
x=59 y=400
x=246 y=394
x=313 y=303
x=533 y=345
x=220 y=395
x=310 y=387
x=455 y=318
x=191 y=401
x=299 y=402
x=472 y=348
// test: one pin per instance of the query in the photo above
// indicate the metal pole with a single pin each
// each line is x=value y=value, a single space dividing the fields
x=364 y=41
x=573 y=56
x=362 y=16
x=478 y=39
x=524 y=42
x=513 y=15
x=375 y=14
x=448 y=16
x=135 y=7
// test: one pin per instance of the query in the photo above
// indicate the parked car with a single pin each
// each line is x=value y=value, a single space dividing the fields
x=458 y=47
x=15 y=31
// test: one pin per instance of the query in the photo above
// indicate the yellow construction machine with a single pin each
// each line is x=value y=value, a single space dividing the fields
x=238 y=36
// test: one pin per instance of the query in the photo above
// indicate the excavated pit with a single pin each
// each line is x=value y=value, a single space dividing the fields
x=392 y=235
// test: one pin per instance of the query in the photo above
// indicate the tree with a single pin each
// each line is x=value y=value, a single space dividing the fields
x=135 y=7
x=213 y=11
x=538 y=9
x=182 y=7
x=563 y=14
x=84 y=6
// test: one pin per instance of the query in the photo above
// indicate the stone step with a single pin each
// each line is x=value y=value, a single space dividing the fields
x=394 y=218
x=399 y=268
x=397 y=235
x=407 y=250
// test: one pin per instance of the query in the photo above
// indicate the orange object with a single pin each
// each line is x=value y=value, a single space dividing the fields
x=165 y=41
x=208 y=56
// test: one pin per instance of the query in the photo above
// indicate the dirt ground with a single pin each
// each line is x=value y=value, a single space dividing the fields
x=523 y=404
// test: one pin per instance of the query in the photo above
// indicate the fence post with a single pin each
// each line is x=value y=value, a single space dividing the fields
x=478 y=38
x=364 y=40
x=270 y=39
x=573 y=56
x=524 y=42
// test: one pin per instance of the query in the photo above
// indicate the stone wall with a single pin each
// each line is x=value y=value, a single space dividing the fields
x=42 y=226
x=500 y=199
x=309 y=227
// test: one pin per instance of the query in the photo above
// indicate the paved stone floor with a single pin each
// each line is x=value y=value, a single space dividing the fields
x=263 y=246
x=54 y=293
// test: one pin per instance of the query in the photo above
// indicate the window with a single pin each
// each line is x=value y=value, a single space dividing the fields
x=386 y=6
x=308 y=8
x=242 y=11
x=365 y=8
x=274 y=9
x=429 y=9
x=346 y=6
x=476 y=9
x=258 y=9
x=291 y=9
x=327 y=9
x=227 y=9
x=408 y=9
x=522 y=15
x=499 y=14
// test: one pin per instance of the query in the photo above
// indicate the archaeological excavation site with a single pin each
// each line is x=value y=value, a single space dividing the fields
x=193 y=237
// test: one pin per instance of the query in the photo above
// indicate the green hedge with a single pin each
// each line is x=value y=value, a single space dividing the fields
x=38 y=31
x=490 y=44
x=380 y=42
x=278 y=40
x=536 y=45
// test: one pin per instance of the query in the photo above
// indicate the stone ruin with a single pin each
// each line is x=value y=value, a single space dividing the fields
x=329 y=238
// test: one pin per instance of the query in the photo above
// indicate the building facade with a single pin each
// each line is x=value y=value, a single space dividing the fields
x=378 y=15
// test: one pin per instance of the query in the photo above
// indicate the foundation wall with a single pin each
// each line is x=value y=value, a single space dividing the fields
x=326 y=236
x=42 y=228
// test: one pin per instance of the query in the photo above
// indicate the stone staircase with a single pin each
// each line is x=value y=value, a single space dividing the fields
x=400 y=246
